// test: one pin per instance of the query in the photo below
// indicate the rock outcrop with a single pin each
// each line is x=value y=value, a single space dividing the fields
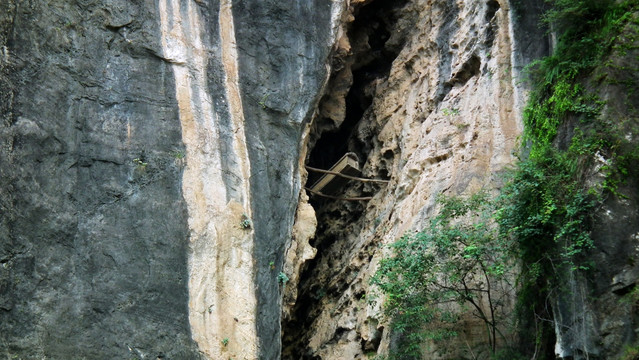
x=596 y=313
x=154 y=154
x=429 y=95
x=94 y=228
x=150 y=173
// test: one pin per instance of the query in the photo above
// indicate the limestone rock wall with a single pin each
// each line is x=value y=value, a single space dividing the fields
x=94 y=236
x=150 y=175
x=444 y=117
x=152 y=158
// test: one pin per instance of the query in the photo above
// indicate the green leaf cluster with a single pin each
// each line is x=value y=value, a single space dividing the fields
x=547 y=205
x=588 y=30
x=282 y=278
x=546 y=210
x=458 y=261
x=541 y=221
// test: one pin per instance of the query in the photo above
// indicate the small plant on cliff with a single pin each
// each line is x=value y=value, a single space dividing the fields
x=225 y=341
x=630 y=353
x=282 y=278
x=457 y=261
x=140 y=163
x=178 y=154
x=450 y=112
x=263 y=101
x=245 y=222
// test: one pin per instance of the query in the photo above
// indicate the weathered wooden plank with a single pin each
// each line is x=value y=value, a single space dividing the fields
x=329 y=183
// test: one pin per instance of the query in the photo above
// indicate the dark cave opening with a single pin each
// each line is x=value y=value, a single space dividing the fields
x=374 y=50
x=373 y=22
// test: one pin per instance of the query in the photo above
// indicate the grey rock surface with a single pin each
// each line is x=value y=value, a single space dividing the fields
x=93 y=231
x=285 y=69
x=94 y=235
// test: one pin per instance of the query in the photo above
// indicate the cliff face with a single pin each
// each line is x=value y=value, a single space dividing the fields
x=150 y=173
x=596 y=313
x=434 y=108
x=152 y=162
x=94 y=242
x=429 y=96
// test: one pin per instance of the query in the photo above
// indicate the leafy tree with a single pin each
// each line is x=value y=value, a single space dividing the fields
x=457 y=262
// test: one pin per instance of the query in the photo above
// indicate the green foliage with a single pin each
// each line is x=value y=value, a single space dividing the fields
x=563 y=13
x=630 y=353
x=319 y=294
x=508 y=354
x=262 y=102
x=282 y=278
x=543 y=117
x=225 y=341
x=458 y=261
x=245 y=222
x=549 y=199
x=450 y=112
x=632 y=297
x=178 y=154
x=140 y=163
x=547 y=204
x=546 y=210
x=557 y=93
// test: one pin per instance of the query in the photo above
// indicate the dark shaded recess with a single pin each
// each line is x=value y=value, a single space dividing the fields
x=377 y=20
x=491 y=9
x=467 y=71
x=530 y=36
x=444 y=36
x=373 y=343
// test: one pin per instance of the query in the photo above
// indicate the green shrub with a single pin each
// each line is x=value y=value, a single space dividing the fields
x=630 y=353
x=458 y=259
x=245 y=222
x=282 y=278
x=546 y=207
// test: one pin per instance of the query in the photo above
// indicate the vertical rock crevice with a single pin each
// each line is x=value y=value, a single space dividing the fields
x=363 y=57
x=428 y=101
x=445 y=35
x=283 y=49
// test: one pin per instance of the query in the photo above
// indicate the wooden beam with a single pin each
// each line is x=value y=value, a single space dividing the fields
x=346 y=176
x=339 y=198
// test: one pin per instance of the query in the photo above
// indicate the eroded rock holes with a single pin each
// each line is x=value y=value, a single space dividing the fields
x=346 y=123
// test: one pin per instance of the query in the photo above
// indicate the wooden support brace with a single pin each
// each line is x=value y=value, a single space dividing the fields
x=339 y=198
x=346 y=176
